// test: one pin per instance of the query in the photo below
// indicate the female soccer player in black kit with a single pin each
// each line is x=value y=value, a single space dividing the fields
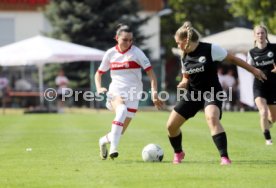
x=263 y=56
x=199 y=67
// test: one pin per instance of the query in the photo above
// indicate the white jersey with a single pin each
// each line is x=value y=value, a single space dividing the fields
x=125 y=69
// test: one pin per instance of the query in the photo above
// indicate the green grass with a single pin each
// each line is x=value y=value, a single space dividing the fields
x=65 y=153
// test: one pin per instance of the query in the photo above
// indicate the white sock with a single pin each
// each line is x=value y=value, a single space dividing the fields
x=117 y=127
x=105 y=139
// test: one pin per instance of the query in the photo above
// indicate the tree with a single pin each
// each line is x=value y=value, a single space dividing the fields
x=91 y=23
x=257 y=11
x=207 y=16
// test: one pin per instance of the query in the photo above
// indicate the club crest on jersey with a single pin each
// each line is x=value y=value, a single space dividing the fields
x=129 y=57
x=202 y=59
x=270 y=54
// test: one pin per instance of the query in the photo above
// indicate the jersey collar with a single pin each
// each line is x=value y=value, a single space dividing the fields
x=122 y=52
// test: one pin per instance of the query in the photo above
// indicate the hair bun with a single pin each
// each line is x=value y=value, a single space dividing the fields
x=119 y=26
x=187 y=24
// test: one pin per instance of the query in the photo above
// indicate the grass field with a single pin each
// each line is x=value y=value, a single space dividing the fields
x=65 y=153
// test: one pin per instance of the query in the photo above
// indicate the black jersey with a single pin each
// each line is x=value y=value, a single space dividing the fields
x=202 y=69
x=263 y=58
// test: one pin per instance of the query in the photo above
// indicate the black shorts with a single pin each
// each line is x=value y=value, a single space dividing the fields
x=265 y=90
x=188 y=107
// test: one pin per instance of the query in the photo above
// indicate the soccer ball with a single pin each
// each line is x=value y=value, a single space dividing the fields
x=152 y=153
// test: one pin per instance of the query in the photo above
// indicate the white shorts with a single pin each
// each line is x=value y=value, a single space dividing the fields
x=132 y=106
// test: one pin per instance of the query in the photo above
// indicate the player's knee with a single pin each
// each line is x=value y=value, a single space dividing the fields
x=171 y=128
x=212 y=119
x=121 y=109
x=263 y=113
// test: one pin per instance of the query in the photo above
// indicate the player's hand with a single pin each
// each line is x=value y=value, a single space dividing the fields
x=259 y=75
x=157 y=102
x=101 y=90
x=274 y=70
x=182 y=85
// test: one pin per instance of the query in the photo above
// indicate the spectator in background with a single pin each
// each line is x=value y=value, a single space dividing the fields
x=230 y=85
x=221 y=76
x=4 y=88
x=62 y=83
x=4 y=83
x=22 y=85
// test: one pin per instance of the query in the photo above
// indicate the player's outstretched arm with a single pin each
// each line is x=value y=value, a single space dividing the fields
x=239 y=62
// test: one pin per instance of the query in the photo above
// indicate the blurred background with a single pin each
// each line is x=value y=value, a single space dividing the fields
x=92 y=23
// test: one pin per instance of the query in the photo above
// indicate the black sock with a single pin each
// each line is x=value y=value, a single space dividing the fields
x=221 y=142
x=176 y=143
x=267 y=134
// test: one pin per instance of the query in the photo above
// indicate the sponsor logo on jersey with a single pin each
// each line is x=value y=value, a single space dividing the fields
x=119 y=65
x=124 y=65
x=264 y=63
x=256 y=57
x=195 y=70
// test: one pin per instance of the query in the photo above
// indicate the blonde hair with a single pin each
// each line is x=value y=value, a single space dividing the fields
x=186 y=31
x=265 y=30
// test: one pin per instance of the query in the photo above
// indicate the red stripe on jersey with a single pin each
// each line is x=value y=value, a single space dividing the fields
x=101 y=72
x=122 y=52
x=117 y=123
x=149 y=68
x=132 y=110
x=124 y=65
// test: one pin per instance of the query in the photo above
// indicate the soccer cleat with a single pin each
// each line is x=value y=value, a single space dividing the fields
x=178 y=157
x=103 y=151
x=225 y=161
x=113 y=154
x=268 y=142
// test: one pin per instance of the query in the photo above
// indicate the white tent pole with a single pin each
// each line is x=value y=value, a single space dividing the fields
x=40 y=77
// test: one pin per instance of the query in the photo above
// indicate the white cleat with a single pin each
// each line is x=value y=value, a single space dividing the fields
x=268 y=142
x=103 y=151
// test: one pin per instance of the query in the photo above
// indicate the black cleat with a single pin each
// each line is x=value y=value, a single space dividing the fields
x=114 y=155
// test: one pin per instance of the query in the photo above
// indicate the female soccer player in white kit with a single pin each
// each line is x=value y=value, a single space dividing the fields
x=124 y=62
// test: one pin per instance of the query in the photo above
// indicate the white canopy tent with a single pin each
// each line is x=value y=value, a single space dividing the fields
x=237 y=39
x=40 y=50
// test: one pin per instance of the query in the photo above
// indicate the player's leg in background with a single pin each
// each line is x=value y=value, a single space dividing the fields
x=264 y=114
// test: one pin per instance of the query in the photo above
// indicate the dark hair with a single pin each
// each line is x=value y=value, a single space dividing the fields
x=123 y=28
